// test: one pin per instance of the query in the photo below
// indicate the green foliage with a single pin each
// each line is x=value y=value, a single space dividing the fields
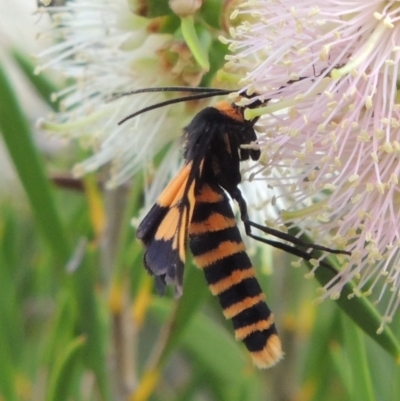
x=64 y=370
x=363 y=313
x=18 y=138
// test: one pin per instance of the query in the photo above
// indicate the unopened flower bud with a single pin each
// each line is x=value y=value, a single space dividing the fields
x=184 y=8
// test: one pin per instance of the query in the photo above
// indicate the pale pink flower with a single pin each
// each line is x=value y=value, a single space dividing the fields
x=331 y=129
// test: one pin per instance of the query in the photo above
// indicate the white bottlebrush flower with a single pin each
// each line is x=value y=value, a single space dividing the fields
x=331 y=128
x=107 y=49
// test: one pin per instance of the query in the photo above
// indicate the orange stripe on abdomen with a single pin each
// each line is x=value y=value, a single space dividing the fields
x=238 y=307
x=214 y=222
x=235 y=277
x=221 y=251
x=259 y=326
x=206 y=194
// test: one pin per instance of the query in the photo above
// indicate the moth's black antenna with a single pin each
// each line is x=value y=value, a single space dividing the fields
x=202 y=95
x=198 y=89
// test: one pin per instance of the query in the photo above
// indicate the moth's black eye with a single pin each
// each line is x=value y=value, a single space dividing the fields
x=244 y=154
x=255 y=154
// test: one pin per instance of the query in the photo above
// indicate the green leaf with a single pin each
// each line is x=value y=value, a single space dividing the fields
x=18 y=139
x=7 y=374
x=361 y=311
x=44 y=86
x=63 y=373
x=341 y=368
x=216 y=348
x=211 y=11
x=361 y=389
x=188 y=305
x=228 y=370
x=90 y=319
x=319 y=366
x=11 y=313
x=209 y=344
x=8 y=334
x=63 y=326
x=129 y=251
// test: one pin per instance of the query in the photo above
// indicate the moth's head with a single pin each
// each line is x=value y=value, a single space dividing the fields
x=230 y=110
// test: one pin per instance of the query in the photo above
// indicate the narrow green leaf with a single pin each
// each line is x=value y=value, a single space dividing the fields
x=11 y=313
x=341 y=368
x=318 y=364
x=216 y=348
x=7 y=371
x=181 y=312
x=229 y=373
x=63 y=326
x=90 y=319
x=18 y=139
x=188 y=306
x=7 y=329
x=63 y=373
x=192 y=40
x=123 y=257
x=209 y=344
x=194 y=384
x=362 y=388
x=43 y=85
x=361 y=311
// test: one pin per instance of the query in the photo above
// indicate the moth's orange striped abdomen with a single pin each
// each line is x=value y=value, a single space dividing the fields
x=219 y=251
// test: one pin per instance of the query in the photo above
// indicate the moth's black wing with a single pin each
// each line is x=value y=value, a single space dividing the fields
x=164 y=230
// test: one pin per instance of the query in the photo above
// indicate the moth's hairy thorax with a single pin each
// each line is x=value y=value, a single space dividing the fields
x=216 y=135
